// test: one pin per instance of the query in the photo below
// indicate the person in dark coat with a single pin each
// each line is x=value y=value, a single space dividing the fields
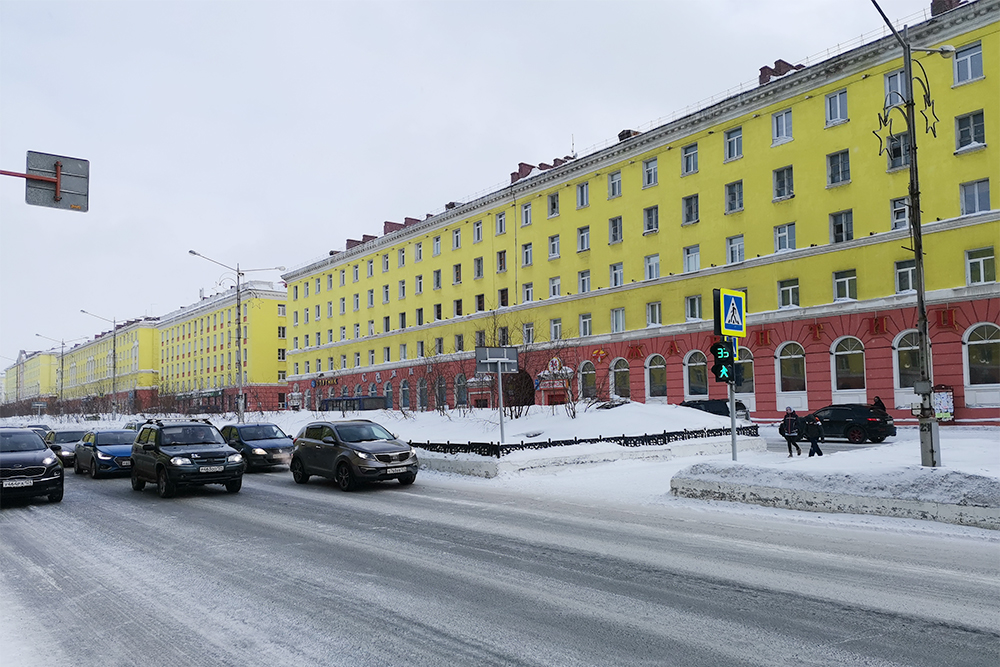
x=812 y=429
x=789 y=430
x=877 y=404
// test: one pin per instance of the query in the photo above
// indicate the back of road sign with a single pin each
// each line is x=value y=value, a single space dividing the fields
x=74 y=187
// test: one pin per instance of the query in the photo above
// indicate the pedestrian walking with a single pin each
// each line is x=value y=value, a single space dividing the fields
x=877 y=404
x=812 y=429
x=789 y=430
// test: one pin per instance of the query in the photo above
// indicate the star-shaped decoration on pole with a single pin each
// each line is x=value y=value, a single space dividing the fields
x=884 y=132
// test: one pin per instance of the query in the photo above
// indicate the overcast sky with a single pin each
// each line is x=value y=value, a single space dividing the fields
x=266 y=133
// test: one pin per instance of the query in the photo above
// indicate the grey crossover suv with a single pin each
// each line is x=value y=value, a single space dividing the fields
x=351 y=453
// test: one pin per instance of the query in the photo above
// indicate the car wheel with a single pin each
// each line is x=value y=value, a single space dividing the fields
x=93 y=468
x=345 y=478
x=137 y=484
x=298 y=472
x=57 y=496
x=855 y=435
x=76 y=466
x=406 y=480
x=235 y=485
x=877 y=438
x=164 y=487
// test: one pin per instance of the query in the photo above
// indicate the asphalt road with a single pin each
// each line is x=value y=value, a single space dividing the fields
x=439 y=574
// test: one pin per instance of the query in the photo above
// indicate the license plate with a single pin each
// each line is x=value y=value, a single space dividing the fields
x=211 y=468
x=126 y=463
x=281 y=457
x=14 y=483
x=395 y=471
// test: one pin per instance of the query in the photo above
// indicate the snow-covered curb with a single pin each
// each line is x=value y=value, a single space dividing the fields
x=601 y=452
x=912 y=492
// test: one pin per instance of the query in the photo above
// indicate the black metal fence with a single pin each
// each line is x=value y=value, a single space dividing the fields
x=496 y=450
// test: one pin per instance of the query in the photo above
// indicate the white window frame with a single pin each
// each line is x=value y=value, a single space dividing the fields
x=985 y=264
x=894 y=89
x=838 y=168
x=969 y=63
x=552 y=205
x=899 y=212
x=691 y=258
x=525 y=215
x=617 y=320
x=651 y=266
x=583 y=239
x=692 y=308
x=845 y=221
x=690 y=212
x=781 y=127
x=654 y=313
x=650 y=174
x=583 y=281
x=527 y=292
x=906 y=270
x=555 y=286
x=526 y=254
x=788 y=293
x=836 y=108
x=689 y=159
x=554 y=246
x=501 y=223
x=477 y=268
x=586 y=325
x=456 y=239
x=477 y=231
x=616 y=275
x=845 y=285
x=785 y=176
x=734 y=197
x=614 y=184
x=616 y=232
x=734 y=144
x=555 y=328
x=436 y=246
x=735 y=249
x=583 y=195
x=784 y=237
x=651 y=220
x=980 y=191
x=967 y=129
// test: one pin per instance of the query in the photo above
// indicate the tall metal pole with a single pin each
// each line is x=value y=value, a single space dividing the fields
x=114 y=359
x=500 y=384
x=239 y=349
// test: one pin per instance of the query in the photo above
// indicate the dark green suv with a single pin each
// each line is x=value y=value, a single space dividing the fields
x=178 y=453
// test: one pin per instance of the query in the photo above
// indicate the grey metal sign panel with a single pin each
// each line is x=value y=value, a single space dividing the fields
x=74 y=182
x=488 y=358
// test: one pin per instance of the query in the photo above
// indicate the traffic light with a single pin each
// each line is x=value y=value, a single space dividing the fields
x=724 y=368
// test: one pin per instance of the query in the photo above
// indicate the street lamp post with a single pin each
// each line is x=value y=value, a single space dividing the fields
x=239 y=326
x=62 y=361
x=930 y=452
x=114 y=360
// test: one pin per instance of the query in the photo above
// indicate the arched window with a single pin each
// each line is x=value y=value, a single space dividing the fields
x=404 y=395
x=461 y=390
x=440 y=393
x=792 y=367
x=849 y=364
x=344 y=392
x=744 y=374
x=422 y=393
x=387 y=390
x=908 y=360
x=357 y=390
x=373 y=389
x=588 y=380
x=620 y=379
x=982 y=353
x=656 y=376
x=697 y=374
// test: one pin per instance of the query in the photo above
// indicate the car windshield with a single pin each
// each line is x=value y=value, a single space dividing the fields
x=20 y=441
x=68 y=436
x=362 y=432
x=191 y=435
x=261 y=432
x=116 y=438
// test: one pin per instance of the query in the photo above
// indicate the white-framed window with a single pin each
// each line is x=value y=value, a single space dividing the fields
x=527 y=292
x=969 y=63
x=838 y=168
x=899 y=151
x=456 y=274
x=845 y=285
x=456 y=239
x=651 y=220
x=614 y=184
x=295 y=318
x=784 y=237
x=791 y=368
x=900 y=212
x=525 y=215
x=371 y=298
x=614 y=230
x=501 y=261
x=970 y=131
x=689 y=210
x=907 y=359
x=784 y=183
x=555 y=329
x=586 y=325
x=906 y=276
x=895 y=93
x=975 y=196
x=734 y=249
x=734 y=197
x=343 y=333
x=456 y=308
x=689 y=159
x=401 y=258
x=692 y=258
x=371 y=327
x=385 y=294
x=617 y=320
x=781 y=127
x=583 y=239
x=554 y=246
x=980 y=266
x=583 y=281
x=371 y=357
x=385 y=262
x=841 y=226
x=982 y=354
x=477 y=268
x=343 y=305
x=836 y=108
x=305 y=289
x=651 y=264
x=343 y=277
x=501 y=223
x=329 y=309
x=617 y=274
x=696 y=374
x=477 y=231
x=419 y=316
x=386 y=357
x=649 y=174
x=582 y=195
x=654 y=313
x=734 y=143
x=357 y=271
x=357 y=330
x=528 y=333
x=553 y=207
x=418 y=284
x=692 y=308
x=526 y=254
x=436 y=246
x=418 y=251
x=305 y=315
x=402 y=289
x=555 y=286
x=402 y=351
x=788 y=293
x=436 y=279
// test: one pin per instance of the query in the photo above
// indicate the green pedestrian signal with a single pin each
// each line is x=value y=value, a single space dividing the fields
x=724 y=368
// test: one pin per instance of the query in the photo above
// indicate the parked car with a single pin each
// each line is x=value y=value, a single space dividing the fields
x=718 y=406
x=352 y=452
x=63 y=443
x=28 y=467
x=132 y=425
x=104 y=452
x=262 y=445
x=179 y=453
x=856 y=422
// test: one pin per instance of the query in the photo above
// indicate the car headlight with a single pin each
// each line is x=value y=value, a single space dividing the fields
x=258 y=451
x=364 y=455
x=48 y=460
x=180 y=461
x=104 y=457
x=413 y=452
x=235 y=458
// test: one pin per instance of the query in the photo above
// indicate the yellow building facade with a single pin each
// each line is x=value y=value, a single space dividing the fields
x=33 y=378
x=605 y=263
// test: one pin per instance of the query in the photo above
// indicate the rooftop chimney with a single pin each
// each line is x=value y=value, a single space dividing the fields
x=942 y=6
x=781 y=68
x=627 y=134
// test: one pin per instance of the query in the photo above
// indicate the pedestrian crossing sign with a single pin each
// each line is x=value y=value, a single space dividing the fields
x=730 y=313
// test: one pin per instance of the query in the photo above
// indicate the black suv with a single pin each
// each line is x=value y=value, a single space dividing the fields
x=856 y=422
x=176 y=453
x=28 y=467
x=351 y=452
